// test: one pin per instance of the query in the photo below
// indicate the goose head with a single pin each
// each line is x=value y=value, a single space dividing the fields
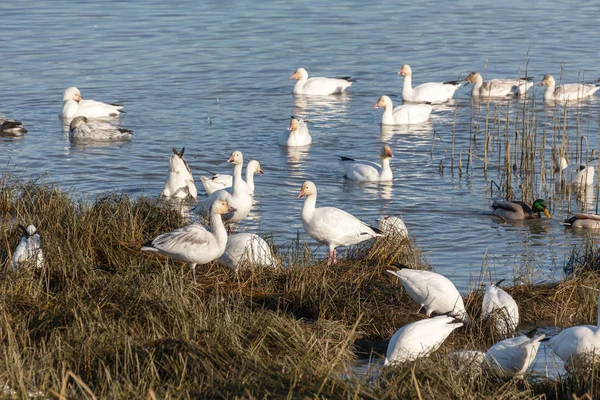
x=405 y=70
x=294 y=124
x=386 y=152
x=539 y=206
x=236 y=158
x=221 y=207
x=299 y=74
x=77 y=122
x=548 y=81
x=384 y=101
x=308 y=188
x=177 y=162
x=473 y=77
x=72 y=93
x=254 y=166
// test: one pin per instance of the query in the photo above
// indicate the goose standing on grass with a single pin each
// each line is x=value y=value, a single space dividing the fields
x=332 y=226
x=583 y=221
x=419 y=339
x=29 y=249
x=514 y=355
x=518 y=210
x=195 y=244
x=367 y=171
x=224 y=181
x=502 y=307
x=392 y=226
x=498 y=87
x=566 y=92
x=10 y=127
x=297 y=134
x=432 y=92
x=432 y=291
x=246 y=249
x=180 y=182
x=74 y=106
x=83 y=130
x=319 y=86
x=406 y=114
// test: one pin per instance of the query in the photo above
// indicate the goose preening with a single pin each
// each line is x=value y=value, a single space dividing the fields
x=583 y=221
x=246 y=249
x=568 y=91
x=223 y=181
x=419 y=339
x=180 y=182
x=467 y=361
x=432 y=291
x=297 y=134
x=318 y=85
x=74 y=106
x=498 y=87
x=406 y=114
x=83 y=130
x=195 y=244
x=332 y=226
x=367 y=171
x=432 y=92
x=11 y=127
x=518 y=210
x=501 y=307
x=238 y=195
x=514 y=355
x=392 y=226
x=29 y=249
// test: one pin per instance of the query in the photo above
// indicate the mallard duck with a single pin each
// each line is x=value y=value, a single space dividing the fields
x=516 y=210
x=583 y=221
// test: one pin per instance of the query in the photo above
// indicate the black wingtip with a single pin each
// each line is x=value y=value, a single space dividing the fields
x=346 y=158
x=347 y=78
x=376 y=230
x=148 y=244
x=24 y=230
x=401 y=266
x=452 y=83
x=123 y=130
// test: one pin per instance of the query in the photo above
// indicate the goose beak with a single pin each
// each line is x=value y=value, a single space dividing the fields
x=78 y=97
x=547 y=214
x=376 y=106
x=231 y=209
x=389 y=153
x=230 y=159
x=294 y=75
x=541 y=84
x=301 y=193
x=260 y=171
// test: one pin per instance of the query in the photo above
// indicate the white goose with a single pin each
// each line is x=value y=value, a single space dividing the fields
x=498 y=87
x=74 y=106
x=224 y=181
x=577 y=341
x=238 y=196
x=419 y=339
x=180 y=182
x=566 y=92
x=82 y=130
x=318 y=85
x=432 y=291
x=585 y=175
x=29 y=249
x=392 y=226
x=246 y=249
x=514 y=355
x=367 y=171
x=432 y=92
x=332 y=226
x=406 y=114
x=500 y=305
x=195 y=244
x=297 y=134
x=11 y=127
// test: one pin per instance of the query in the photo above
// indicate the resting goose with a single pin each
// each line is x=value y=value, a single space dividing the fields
x=432 y=92
x=392 y=226
x=518 y=210
x=514 y=355
x=318 y=86
x=195 y=244
x=367 y=171
x=10 y=127
x=498 y=87
x=502 y=307
x=83 y=130
x=246 y=249
x=29 y=249
x=74 y=106
x=180 y=182
x=297 y=134
x=405 y=114
x=569 y=91
x=332 y=226
x=224 y=181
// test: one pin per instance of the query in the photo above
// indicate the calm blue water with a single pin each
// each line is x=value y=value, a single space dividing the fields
x=213 y=77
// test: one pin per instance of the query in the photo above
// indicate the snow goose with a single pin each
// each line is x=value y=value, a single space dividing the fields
x=224 y=181
x=392 y=226
x=318 y=86
x=74 y=106
x=195 y=244
x=297 y=134
x=83 y=130
x=432 y=291
x=517 y=210
x=585 y=175
x=238 y=196
x=367 y=171
x=498 y=87
x=246 y=249
x=332 y=226
x=583 y=221
x=10 y=127
x=29 y=249
x=566 y=92
x=405 y=114
x=514 y=355
x=500 y=306
x=419 y=339
x=180 y=182
x=432 y=92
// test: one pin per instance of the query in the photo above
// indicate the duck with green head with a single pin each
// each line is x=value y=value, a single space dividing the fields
x=517 y=210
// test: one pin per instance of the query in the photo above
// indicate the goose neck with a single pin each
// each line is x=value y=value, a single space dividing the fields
x=237 y=178
x=308 y=208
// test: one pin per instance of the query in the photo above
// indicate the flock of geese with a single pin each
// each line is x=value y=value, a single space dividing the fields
x=229 y=200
